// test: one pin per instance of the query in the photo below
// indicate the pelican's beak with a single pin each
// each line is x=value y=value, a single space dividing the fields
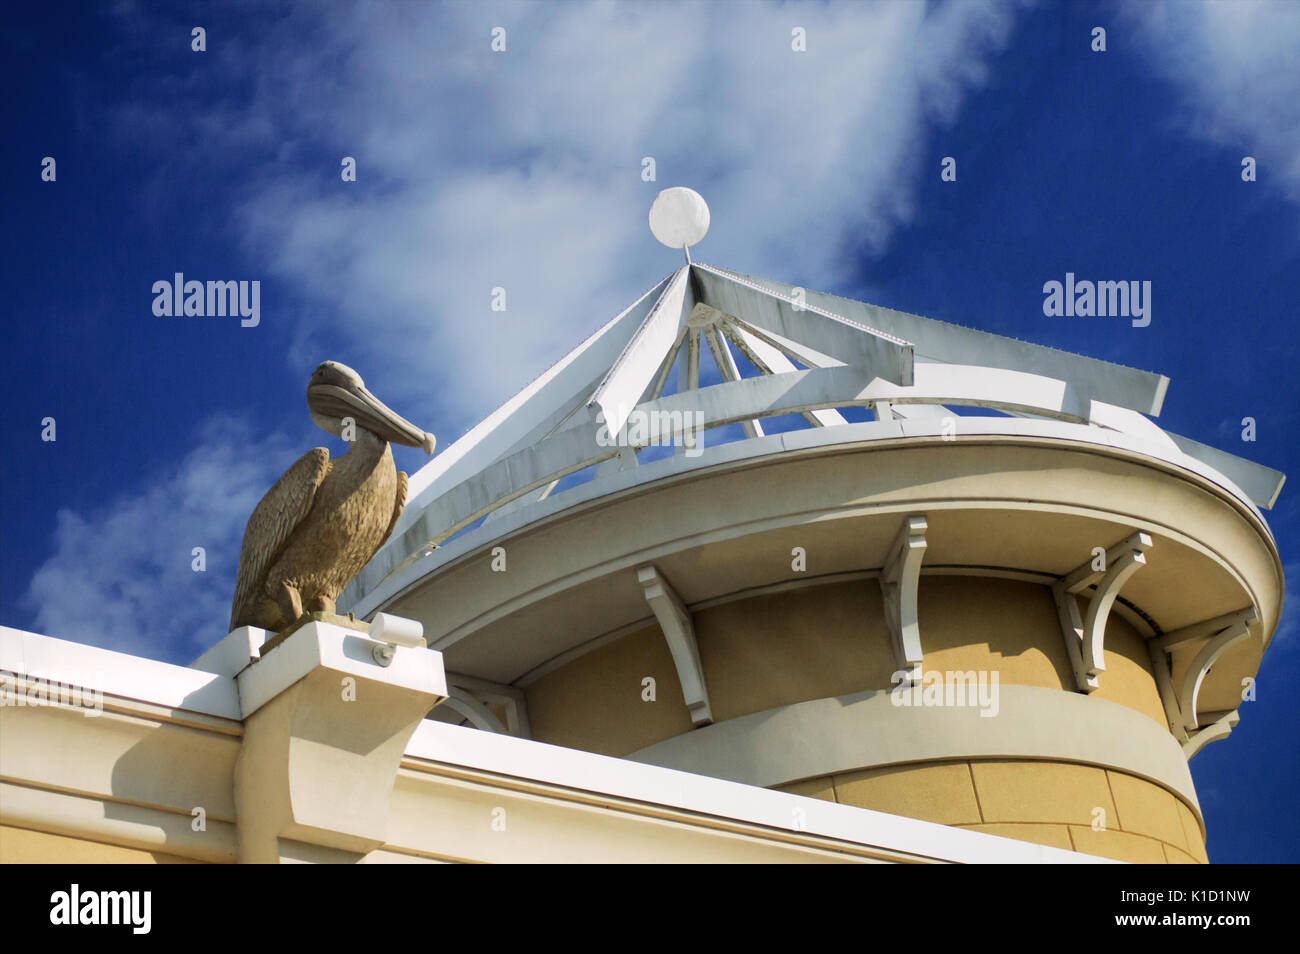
x=369 y=412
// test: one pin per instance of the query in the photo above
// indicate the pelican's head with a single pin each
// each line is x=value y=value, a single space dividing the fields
x=335 y=391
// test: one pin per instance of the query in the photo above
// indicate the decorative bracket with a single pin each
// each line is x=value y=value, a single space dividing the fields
x=1220 y=728
x=1084 y=636
x=472 y=697
x=675 y=621
x=899 y=580
x=1222 y=632
x=463 y=702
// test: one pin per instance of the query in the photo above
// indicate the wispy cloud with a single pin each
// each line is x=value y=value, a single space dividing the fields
x=479 y=170
x=1234 y=65
x=522 y=169
x=122 y=576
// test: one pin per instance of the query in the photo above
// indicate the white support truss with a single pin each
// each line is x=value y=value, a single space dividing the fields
x=675 y=621
x=770 y=359
x=487 y=694
x=899 y=581
x=726 y=363
x=1084 y=635
x=1220 y=633
x=464 y=703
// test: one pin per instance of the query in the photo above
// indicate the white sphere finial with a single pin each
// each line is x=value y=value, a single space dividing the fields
x=679 y=217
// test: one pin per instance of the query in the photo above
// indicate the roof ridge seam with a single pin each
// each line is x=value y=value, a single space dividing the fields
x=743 y=280
x=636 y=335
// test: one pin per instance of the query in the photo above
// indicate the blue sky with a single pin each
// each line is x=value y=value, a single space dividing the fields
x=523 y=170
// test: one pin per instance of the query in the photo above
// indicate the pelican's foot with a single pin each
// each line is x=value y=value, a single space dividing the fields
x=321 y=604
x=290 y=602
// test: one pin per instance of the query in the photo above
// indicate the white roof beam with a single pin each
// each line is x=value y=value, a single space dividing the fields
x=771 y=360
x=632 y=373
x=779 y=312
x=692 y=368
x=552 y=391
x=941 y=341
x=722 y=357
x=797 y=391
x=1261 y=484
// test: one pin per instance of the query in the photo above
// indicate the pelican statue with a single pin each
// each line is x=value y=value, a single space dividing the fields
x=324 y=519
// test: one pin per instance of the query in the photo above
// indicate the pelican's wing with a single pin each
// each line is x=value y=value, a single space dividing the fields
x=274 y=519
x=398 y=504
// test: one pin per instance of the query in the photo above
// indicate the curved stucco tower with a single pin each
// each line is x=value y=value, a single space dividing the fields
x=1023 y=618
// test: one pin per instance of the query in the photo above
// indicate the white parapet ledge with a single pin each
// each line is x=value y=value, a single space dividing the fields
x=588 y=774
x=118 y=674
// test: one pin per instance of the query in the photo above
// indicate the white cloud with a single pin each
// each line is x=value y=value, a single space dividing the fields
x=522 y=169
x=1235 y=65
x=121 y=576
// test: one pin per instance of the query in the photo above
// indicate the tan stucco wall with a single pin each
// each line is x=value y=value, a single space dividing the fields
x=792 y=646
x=817 y=642
x=595 y=703
x=22 y=846
x=1048 y=803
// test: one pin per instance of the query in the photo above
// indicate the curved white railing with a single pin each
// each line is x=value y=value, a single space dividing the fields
x=679 y=418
